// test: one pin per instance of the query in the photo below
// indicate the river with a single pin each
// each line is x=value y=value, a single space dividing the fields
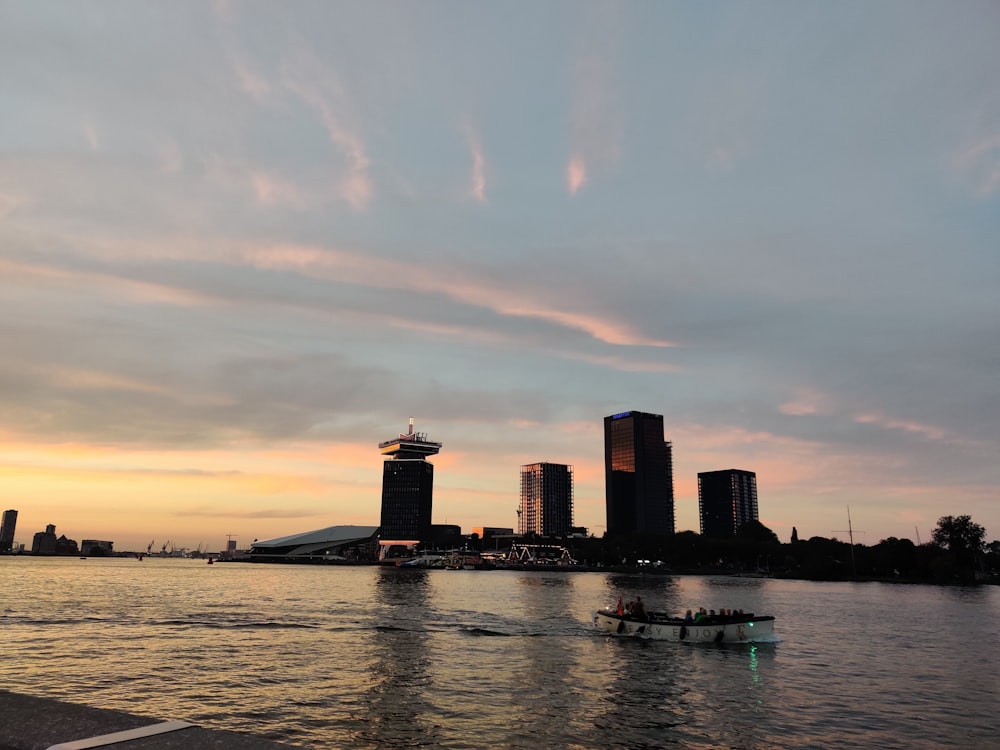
x=369 y=657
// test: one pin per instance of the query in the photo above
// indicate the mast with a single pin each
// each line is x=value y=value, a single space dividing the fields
x=850 y=534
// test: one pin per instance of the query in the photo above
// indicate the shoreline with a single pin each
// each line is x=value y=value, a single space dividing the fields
x=30 y=722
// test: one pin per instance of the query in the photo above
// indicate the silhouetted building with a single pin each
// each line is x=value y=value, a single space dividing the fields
x=639 y=475
x=7 y=527
x=727 y=499
x=546 y=507
x=407 y=488
x=44 y=542
x=446 y=536
x=97 y=547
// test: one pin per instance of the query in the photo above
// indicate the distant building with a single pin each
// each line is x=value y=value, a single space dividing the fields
x=727 y=499
x=44 y=542
x=7 y=526
x=407 y=488
x=494 y=537
x=639 y=475
x=546 y=507
x=489 y=532
x=96 y=547
x=446 y=536
x=47 y=543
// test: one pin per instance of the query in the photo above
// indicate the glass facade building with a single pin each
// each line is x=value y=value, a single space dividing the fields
x=638 y=473
x=727 y=499
x=546 y=507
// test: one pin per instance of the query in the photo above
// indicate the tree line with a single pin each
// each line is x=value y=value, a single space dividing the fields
x=957 y=553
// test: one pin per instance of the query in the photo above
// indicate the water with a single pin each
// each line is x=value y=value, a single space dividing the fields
x=366 y=657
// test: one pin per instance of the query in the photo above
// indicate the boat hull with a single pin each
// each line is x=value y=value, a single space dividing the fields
x=661 y=628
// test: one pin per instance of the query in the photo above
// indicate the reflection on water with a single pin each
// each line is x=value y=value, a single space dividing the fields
x=542 y=669
x=377 y=658
x=395 y=709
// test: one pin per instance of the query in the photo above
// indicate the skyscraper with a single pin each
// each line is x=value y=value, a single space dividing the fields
x=727 y=499
x=546 y=499
x=407 y=487
x=638 y=473
x=7 y=527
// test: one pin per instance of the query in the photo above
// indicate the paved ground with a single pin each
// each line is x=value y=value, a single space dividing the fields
x=29 y=723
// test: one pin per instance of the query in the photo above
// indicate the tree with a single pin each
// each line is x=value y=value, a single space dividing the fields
x=795 y=535
x=755 y=531
x=959 y=534
x=963 y=538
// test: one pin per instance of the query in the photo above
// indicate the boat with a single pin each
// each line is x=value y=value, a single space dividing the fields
x=659 y=626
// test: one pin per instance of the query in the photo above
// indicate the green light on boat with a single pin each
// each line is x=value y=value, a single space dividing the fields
x=751 y=624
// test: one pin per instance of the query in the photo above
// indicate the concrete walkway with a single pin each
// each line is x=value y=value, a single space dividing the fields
x=29 y=723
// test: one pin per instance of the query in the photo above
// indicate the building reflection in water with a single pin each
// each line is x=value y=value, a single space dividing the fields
x=545 y=674
x=393 y=711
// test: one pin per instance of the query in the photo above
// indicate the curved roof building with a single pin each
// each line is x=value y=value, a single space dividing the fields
x=329 y=543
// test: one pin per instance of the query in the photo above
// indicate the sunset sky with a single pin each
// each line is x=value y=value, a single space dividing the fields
x=242 y=243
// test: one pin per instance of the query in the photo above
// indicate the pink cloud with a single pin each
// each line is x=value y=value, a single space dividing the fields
x=576 y=174
x=391 y=274
x=888 y=423
x=806 y=401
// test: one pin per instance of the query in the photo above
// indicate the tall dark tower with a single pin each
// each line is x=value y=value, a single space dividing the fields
x=727 y=499
x=7 y=527
x=638 y=474
x=407 y=488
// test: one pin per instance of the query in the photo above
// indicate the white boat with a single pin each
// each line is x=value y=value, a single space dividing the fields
x=659 y=626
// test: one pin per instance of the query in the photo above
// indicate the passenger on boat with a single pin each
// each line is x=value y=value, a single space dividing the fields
x=688 y=619
x=638 y=608
x=620 y=610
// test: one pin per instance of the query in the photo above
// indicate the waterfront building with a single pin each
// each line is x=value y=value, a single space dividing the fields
x=7 y=526
x=546 y=507
x=407 y=489
x=334 y=543
x=46 y=543
x=727 y=499
x=96 y=547
x=639 y=475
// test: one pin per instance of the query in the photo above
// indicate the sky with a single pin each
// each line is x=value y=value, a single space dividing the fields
x=242 y=243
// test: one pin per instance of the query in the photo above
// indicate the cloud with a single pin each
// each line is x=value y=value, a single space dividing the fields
x=929 y=432
x=273 y=191
x=576 y=174
x=478 y=182
x=279 y=513
x=980 y=162
x=462 y=286
x=10 y=202
x=807 y=401
x=90 y=133
x=319 y=86
x=595 y=129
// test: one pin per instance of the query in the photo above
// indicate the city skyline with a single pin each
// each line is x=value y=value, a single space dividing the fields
x=240 y=243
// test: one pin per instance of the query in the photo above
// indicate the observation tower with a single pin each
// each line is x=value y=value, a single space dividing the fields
x=407 y=489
